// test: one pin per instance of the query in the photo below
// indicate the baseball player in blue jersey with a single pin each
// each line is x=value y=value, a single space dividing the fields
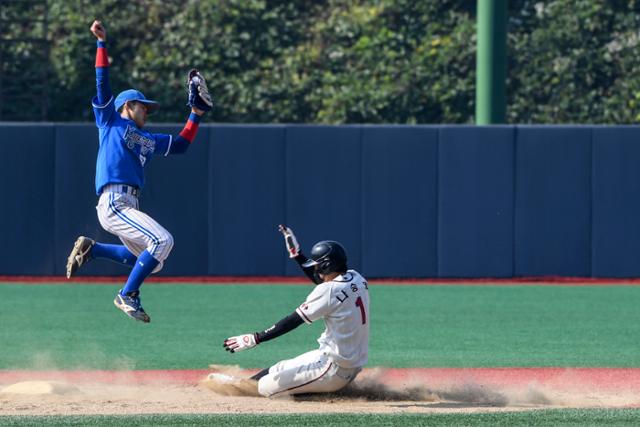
x=125 y=149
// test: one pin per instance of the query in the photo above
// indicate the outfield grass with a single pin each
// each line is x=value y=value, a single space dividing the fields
x=75 y=326
x=568 y=417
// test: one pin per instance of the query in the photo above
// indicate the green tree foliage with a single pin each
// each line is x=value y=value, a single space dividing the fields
x=574 y=61
x=23 y=52
x=322 y=61
x=132 y=29
x=336 y=61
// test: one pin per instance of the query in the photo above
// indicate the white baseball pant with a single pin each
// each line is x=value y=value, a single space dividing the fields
x=118 y=214
x=311 y=372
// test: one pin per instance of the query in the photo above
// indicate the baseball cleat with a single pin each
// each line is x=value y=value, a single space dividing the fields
x=228 y=385
x=80 y=254
x=130 y=305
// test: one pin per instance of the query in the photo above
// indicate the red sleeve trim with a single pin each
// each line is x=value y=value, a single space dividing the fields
x=101 y=57
x=304 y=316
x=191 y=128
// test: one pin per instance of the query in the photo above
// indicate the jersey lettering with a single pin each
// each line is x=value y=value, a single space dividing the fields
x=133 y=138
x=363 y=314
x=345 y=296
x=343 y=305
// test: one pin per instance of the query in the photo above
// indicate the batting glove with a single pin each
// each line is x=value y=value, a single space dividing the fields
x=240 y=343
x=290 y=240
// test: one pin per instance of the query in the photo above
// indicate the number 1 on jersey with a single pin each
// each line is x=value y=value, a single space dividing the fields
x=360 y=304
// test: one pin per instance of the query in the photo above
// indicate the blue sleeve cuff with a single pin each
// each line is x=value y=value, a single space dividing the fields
x=194 y=117
x=102 y=44
x=178 y=145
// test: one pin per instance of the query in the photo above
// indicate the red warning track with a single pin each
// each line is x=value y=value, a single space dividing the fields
x=555 y=378
x=567 y=379
x=286 y=280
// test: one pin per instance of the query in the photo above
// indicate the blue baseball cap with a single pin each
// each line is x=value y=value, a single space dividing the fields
x=135 y=95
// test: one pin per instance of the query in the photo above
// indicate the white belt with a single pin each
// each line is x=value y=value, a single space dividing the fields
x=121 y=188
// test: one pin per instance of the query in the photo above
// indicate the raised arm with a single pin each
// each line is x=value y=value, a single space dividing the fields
x=293 y=248
x=102 y=64
x=200 y=102
x=183 y=140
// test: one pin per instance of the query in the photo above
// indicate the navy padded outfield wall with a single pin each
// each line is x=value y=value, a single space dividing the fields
x=475 y=221
x=246 y=200
x=399 y=195
x=616 y=202
x=406 y=201
x=553 y=201
x=27 y=217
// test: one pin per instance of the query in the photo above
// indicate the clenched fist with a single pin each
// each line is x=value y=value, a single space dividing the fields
x=98 y=30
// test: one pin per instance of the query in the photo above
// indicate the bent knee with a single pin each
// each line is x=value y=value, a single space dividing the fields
x=161 y=247
x=167 y=242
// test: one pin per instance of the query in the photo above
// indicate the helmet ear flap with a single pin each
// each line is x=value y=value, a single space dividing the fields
x=325 y=266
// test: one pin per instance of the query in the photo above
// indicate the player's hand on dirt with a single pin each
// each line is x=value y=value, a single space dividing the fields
x=240 y=343
x=290 y=240
x=98 y=30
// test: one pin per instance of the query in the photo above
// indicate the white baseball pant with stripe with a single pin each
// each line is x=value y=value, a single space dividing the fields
x=118 y=214
x=311 y=372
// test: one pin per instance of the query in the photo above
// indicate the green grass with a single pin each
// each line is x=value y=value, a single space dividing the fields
x=568 y=417
x=76 y=326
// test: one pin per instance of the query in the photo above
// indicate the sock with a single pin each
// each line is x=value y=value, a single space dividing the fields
x=116 y=253
x=143 y=268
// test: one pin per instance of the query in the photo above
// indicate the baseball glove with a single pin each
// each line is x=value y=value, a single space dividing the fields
x=199 y=96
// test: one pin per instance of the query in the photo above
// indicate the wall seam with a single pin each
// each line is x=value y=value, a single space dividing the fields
x=514 y=192
x=210 y=237
x=438 y=201
x=55 y=196
x=591 y=202
x=285 y=193
x=361 y=192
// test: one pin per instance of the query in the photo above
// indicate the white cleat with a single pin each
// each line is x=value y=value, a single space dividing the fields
x=228 y=385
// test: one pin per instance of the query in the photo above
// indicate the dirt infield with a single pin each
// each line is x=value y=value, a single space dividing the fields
x=374 y=391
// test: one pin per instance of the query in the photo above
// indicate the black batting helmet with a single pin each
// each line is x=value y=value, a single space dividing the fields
x=329 y=256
